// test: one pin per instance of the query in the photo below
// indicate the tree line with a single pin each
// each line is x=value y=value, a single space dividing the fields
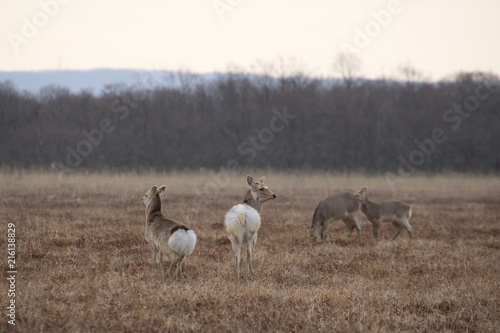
x=239 y=119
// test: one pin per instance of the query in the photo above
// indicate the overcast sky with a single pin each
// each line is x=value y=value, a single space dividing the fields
x=438 y=38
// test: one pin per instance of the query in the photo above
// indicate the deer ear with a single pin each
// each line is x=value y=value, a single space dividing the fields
x=262 y=180
x=161 y=190
x=153 y=189
x=250 y=181
x=363 y=189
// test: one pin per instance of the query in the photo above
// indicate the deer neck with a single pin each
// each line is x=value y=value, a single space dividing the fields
x=365 y=203
x=250 y=200
x=154 y=206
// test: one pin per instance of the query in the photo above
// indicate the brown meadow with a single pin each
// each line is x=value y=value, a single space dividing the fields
x=83 y=264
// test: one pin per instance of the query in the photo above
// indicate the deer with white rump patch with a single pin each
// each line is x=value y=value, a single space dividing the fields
x=396 y=212
x=166 y=237
x=341 y=206
x=242 y=221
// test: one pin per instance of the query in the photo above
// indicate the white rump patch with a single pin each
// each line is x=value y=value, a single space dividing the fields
x=182 y=242
x=240 y=218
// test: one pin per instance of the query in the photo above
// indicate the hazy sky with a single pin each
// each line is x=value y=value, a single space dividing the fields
x=438 y=38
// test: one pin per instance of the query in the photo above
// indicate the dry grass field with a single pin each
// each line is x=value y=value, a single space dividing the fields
x=84 y=266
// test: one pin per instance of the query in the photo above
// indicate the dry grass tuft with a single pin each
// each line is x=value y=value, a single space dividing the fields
x=84 y=265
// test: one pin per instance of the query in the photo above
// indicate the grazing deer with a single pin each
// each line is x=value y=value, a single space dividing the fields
x=341 y=206
x=396 y=212
x=242 y=221
x=169 y=238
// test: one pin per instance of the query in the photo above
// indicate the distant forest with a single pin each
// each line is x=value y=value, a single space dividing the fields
x=243 y=120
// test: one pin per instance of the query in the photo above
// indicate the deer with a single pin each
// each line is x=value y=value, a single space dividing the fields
x=168 y=238
x=396 y=212
x=341 y=206
x=242 y=221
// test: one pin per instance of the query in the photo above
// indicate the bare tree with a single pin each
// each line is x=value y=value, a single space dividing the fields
x=348 y=65
x=410 y=74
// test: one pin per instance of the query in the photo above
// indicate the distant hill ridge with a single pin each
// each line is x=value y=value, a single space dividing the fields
x=92 y=80
x=95 y=80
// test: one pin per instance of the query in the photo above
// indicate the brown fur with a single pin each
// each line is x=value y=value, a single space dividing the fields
x=159 y=229
x=242 y=232
x=341 y=206
x=396 y=212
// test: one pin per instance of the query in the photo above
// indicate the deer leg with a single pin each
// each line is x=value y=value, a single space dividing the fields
x=159 y=257
x=163 y=267
x=314 y=232
x=153 y=255
x=408 y=228
x=376 y=228
x=398 y=231
x=249 y=257
x=323 y=230
x=178 y=268
x=239 y=264
x=354 y=222
x=349 y=224
x=237 y=244
x=174 y=262
x=357 y=224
